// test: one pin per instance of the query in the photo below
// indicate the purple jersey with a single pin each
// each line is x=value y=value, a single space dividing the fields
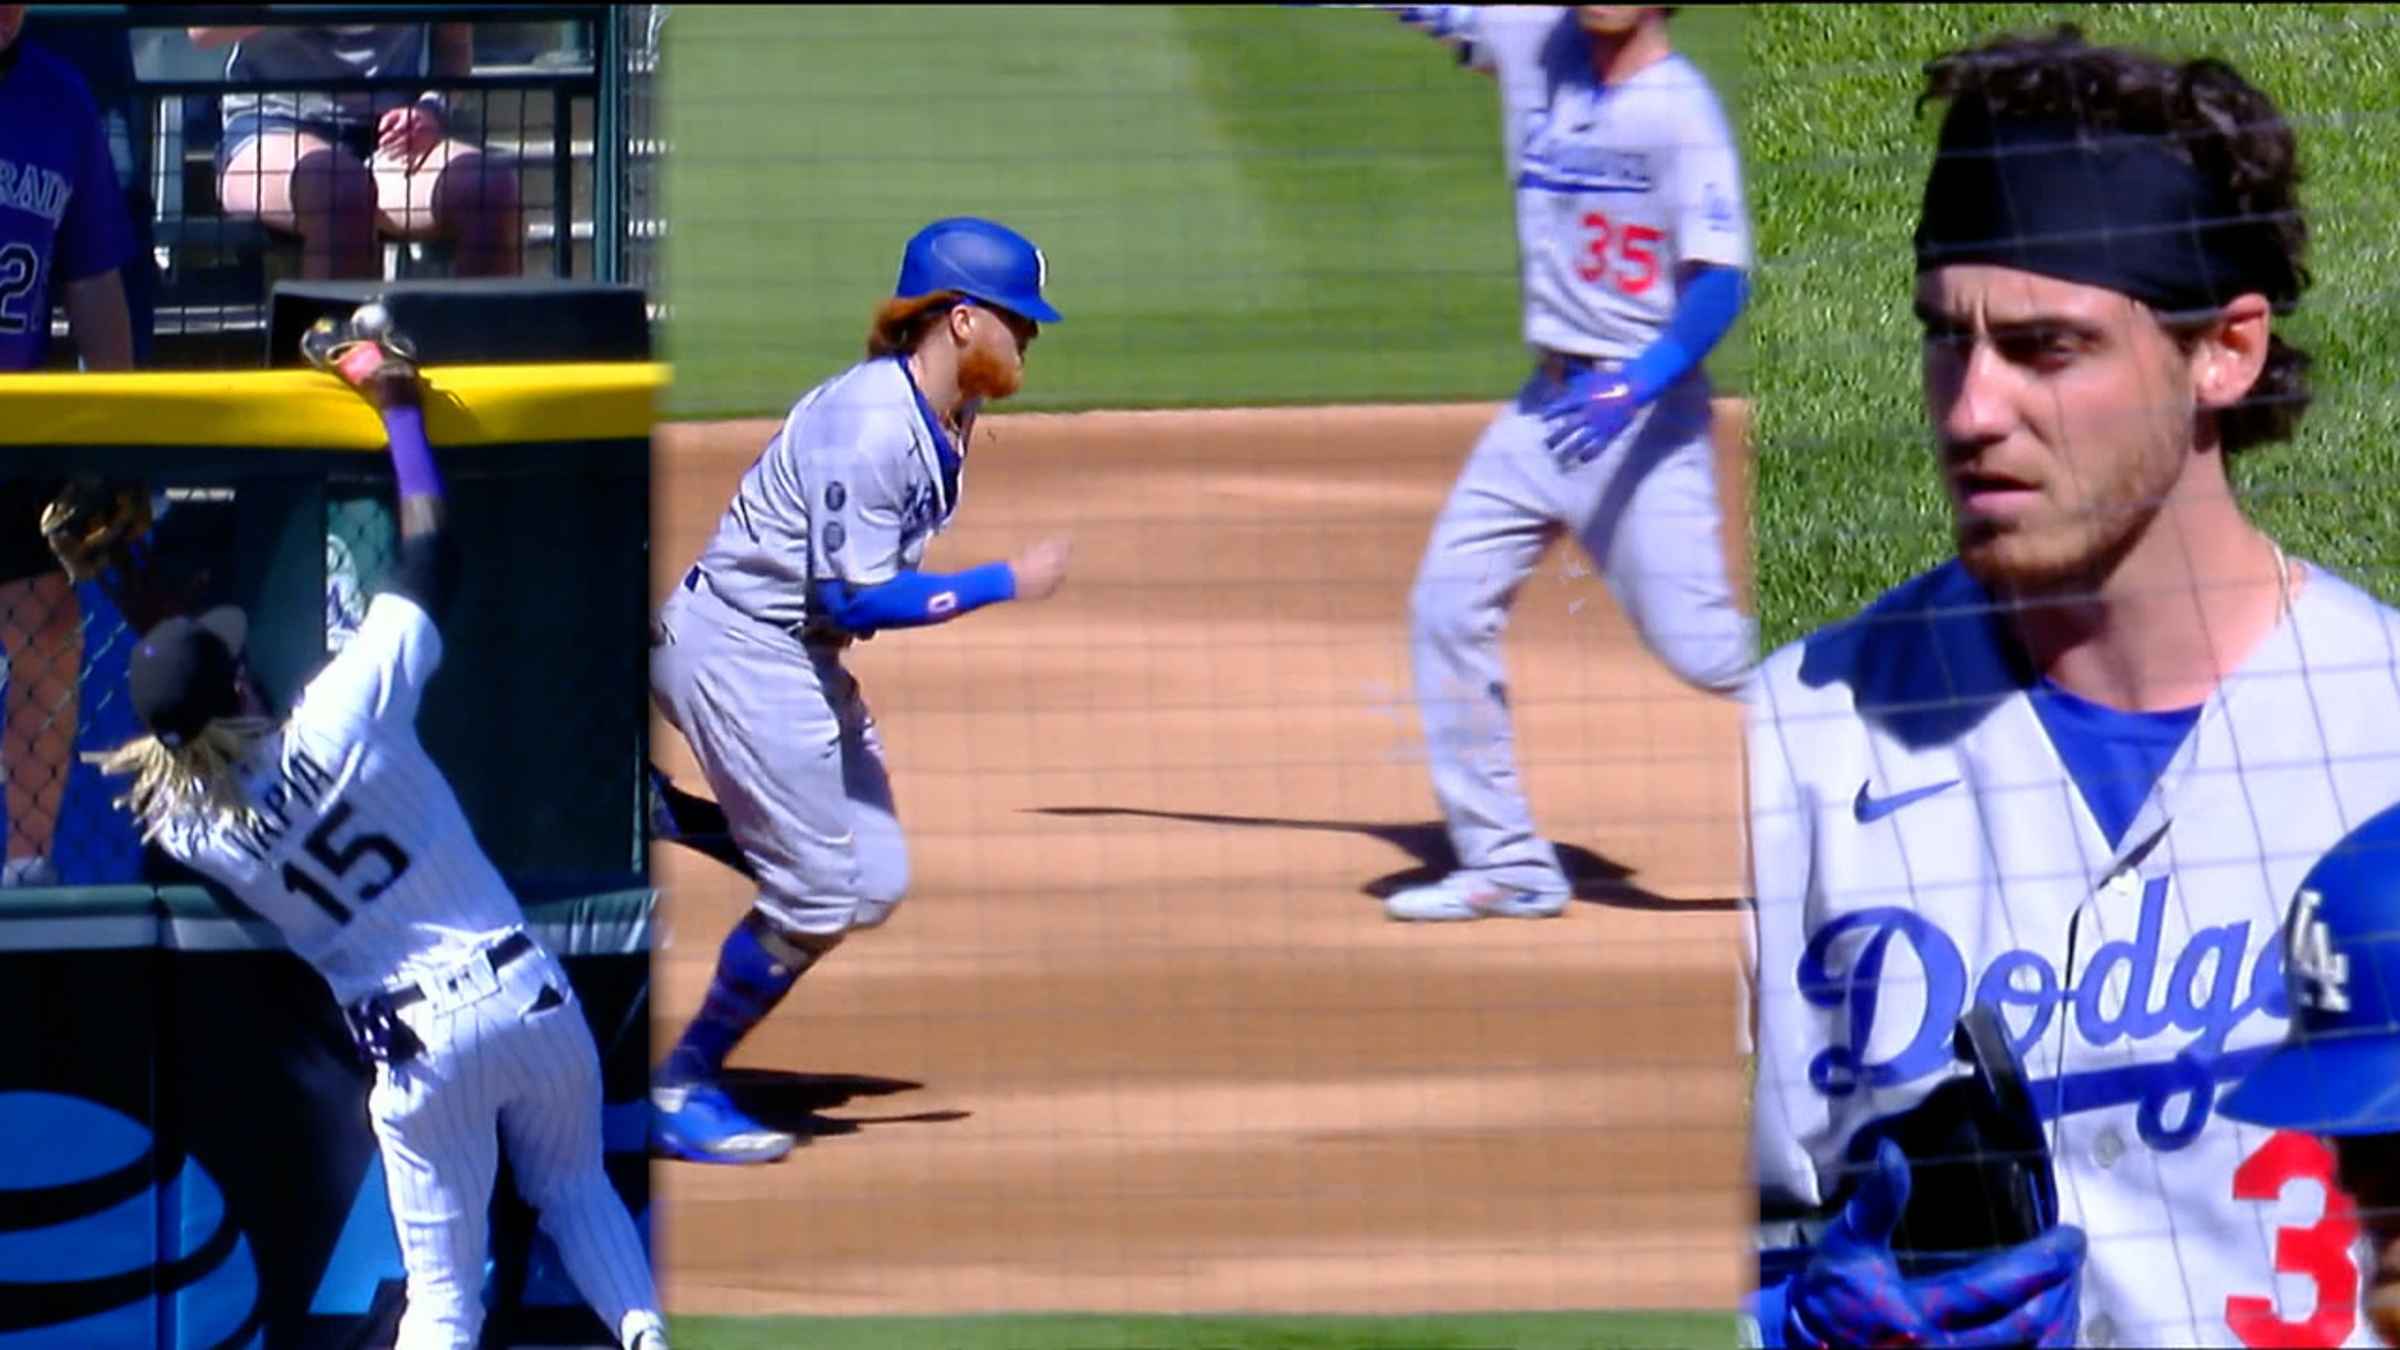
x=61 y=210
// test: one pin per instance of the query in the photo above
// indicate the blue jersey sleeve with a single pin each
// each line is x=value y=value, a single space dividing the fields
x=1704 y=312
x=94 y=235
x=915 y=599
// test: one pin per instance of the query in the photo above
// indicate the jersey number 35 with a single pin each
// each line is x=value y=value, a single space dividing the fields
x=1634 y=245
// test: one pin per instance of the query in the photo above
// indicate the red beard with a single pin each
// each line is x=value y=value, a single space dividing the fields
x=982 y=375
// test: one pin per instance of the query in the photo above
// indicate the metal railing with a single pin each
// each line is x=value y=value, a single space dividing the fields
x=555 y=119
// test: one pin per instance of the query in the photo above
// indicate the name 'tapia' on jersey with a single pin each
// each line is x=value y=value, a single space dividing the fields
x=850 y=489
x=1616 y=187
x=352 y=842
x=1919 y=845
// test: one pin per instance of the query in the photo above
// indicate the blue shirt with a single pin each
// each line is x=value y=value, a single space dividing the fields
x=61 y=210
x=2114 y=756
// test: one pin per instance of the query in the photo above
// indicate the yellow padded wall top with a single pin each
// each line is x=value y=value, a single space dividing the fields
x=306 y=410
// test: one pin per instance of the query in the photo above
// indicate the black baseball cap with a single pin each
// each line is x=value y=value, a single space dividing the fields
x=182 y=673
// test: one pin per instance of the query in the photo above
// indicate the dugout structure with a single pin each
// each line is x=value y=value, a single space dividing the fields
x=192 y=1149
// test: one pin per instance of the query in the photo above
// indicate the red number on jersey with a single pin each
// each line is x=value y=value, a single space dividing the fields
x=1596 y=246
x=1637 y=237
x=1632 y=247
x=2321 y=1251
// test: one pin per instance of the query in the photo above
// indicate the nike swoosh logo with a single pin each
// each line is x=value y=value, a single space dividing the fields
x=1876 y=808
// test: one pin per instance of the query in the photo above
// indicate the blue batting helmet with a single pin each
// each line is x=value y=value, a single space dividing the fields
x=2338 y=1070
x=981 y=259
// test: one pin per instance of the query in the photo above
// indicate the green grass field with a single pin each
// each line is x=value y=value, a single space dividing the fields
x=1847 y=503
x=1527 y=1331
x=1241 y=206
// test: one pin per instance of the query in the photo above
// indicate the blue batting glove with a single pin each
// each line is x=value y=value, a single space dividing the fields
x=1438 y=20
x=1595 y=410
x=1851 y=1293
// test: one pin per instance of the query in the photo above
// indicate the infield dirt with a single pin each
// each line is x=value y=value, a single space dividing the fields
x=1141 y=1038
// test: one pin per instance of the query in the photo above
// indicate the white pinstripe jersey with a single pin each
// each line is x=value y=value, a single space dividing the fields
x=1616 y=187
x=1918 y=844
x=353 y=843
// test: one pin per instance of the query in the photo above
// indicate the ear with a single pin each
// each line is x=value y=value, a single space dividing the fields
x=2231 y=353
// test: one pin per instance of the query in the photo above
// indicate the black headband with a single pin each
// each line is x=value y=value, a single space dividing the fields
x=2115 y=210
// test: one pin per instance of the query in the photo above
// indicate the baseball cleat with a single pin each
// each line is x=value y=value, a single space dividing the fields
x=363 y=351
x=1463 y=895
x=697 y=1122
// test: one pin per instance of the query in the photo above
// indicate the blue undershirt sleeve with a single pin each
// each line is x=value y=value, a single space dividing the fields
x=916 y=599
x=1704 y=312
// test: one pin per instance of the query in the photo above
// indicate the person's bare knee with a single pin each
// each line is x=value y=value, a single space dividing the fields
x=476 y=206
x=301 y=185
x=332 y=193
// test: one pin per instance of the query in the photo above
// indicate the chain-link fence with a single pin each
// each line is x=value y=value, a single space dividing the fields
x=65 y=645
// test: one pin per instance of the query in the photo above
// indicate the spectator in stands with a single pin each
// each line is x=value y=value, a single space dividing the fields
x=100 y=49
x=339 y=168
x=62 y=216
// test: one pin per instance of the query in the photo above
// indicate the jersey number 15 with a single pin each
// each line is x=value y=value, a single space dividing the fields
x=338 y=859
x=1633 y=245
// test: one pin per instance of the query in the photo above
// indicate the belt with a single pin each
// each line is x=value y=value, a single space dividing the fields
x=503 y=954
x=814 y=632
x=1557 y=367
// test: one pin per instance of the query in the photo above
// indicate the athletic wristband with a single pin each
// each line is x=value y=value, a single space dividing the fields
x=412 y=458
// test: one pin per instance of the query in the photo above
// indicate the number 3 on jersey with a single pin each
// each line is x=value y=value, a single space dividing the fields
x=338 y=859
x=2321 y=1252
x=1634 y=248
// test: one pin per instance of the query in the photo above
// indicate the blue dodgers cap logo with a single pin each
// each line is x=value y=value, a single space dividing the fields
x=2338 y=1069
x=103 y=1240
x=979 y=258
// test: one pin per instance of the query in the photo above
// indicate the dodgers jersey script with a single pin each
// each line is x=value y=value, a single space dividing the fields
x=1615 y=186
x=1919 y=844
x=353 y=844
x=850 y=490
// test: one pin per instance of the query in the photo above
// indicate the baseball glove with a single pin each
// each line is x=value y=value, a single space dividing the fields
x=1980 y=1164
x=91 y=525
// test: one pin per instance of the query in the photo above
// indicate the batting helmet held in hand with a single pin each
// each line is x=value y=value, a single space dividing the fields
x=981 y=259
x=2338 y=1069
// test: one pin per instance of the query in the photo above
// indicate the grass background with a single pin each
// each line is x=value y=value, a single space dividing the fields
x=1241 y=206
x=1847 y=503
x=1526 y=1331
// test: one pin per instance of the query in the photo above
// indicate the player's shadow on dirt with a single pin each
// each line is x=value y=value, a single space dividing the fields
x=790 y=1101
x=1595 y=879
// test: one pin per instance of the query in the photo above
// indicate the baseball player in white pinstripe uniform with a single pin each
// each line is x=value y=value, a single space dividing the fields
x=333 y=823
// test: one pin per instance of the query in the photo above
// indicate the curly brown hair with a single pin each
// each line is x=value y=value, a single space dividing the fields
x=2205 y=113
